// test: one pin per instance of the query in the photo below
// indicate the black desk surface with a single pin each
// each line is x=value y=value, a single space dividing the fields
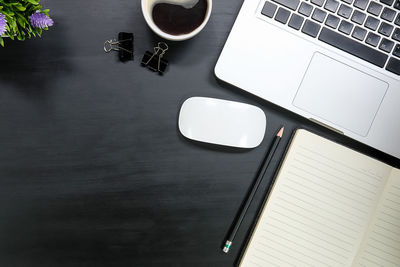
x=93 y=170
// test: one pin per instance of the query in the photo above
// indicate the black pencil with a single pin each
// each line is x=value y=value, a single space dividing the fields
x=250 y=196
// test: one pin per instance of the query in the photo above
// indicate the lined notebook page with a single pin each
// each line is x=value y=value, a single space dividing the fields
x=382 y=244
x=319 y=207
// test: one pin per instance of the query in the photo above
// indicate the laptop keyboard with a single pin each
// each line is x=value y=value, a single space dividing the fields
x=367 y=29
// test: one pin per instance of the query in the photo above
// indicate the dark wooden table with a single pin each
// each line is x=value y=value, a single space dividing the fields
x=93 y=170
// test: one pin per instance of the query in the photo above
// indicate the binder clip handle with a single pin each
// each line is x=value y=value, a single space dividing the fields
x=124 y=46
x=114 y=45
x=161 y=46
x=154 y=61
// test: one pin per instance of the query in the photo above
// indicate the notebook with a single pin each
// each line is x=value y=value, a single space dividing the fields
x=328 y=206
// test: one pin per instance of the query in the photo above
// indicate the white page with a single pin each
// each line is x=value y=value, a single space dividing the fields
x=319 y=208
x=382 y=243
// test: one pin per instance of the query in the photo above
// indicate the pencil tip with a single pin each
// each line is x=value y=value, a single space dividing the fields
x=280 y=133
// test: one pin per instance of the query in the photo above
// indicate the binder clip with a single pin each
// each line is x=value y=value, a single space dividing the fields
x=154 y=61
x=124 y=46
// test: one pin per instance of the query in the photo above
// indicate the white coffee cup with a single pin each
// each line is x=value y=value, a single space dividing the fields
x=147 y=6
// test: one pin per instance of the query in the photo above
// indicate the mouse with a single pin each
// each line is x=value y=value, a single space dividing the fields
x=222 y=122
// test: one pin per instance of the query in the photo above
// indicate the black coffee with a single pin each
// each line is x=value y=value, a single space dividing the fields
x=177 y=20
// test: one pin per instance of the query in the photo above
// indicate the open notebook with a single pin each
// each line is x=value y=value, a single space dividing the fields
x=329 y=206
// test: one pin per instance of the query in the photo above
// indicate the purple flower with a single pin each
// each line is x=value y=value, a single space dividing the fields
x=40 y=20
x=3 y=24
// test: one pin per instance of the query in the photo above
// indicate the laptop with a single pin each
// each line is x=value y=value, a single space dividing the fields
x=336 y=62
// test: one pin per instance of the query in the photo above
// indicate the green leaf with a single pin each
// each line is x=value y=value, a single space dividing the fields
x=1 y=41
x=20 y=7
x=14 y=25
x=21 y=22
x=31 y=30
x=33 y=2
x=8 y=14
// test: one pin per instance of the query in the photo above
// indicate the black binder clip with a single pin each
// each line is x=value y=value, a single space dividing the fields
x=154 y=61
x=124 y=46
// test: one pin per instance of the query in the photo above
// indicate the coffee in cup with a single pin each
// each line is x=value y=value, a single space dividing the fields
x=176 y=19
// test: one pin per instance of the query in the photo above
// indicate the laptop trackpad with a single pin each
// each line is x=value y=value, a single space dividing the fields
x=340 y=94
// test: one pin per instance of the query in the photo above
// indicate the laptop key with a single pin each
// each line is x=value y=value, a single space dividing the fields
x=332 y=21
x=305 y=9
x=291 y=4
x=396 y=34
x=359 y=33
x=318 y=2
x=345 y=27
x=385 y=29
x=371 y=23
x=358 y=17
x=318 y=15
x=269 y=9
x=386 y=45
x=353 y=47
x=311 y=28
x=282 y=15
x=296 y=21
x=393 y=65
x=374 y=8
x=332 y=5
x=387 y=2
x=388 y=14
x=397 y=5
x=372 y=39
x=345 y=11
x=361 y=4
x=348 y=1
x=397 y=20
x=396 y=50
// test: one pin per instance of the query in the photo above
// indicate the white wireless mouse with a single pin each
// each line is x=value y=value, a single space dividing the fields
x=222 y=122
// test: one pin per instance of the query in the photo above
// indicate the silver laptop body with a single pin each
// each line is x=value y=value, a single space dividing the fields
x=347 y=77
